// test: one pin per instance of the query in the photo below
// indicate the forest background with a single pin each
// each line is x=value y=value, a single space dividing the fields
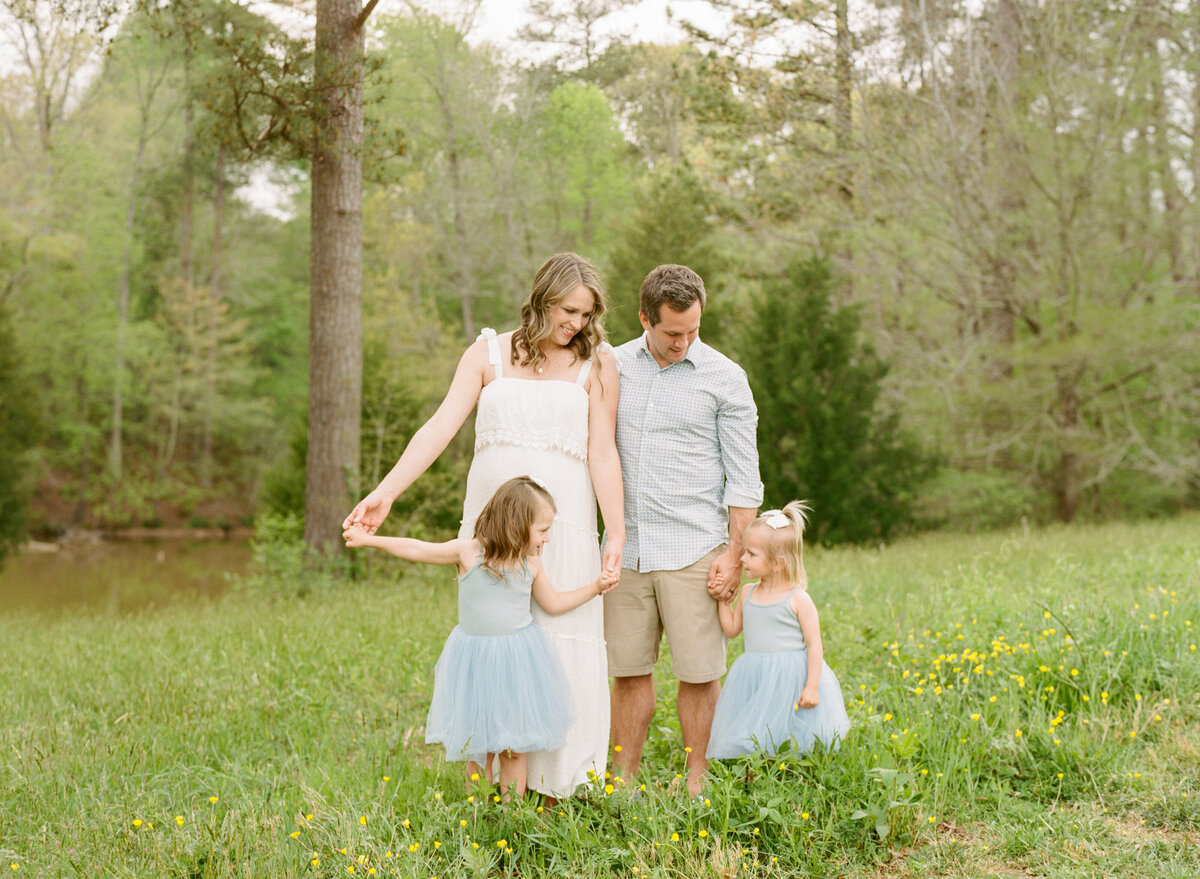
x=956 y=246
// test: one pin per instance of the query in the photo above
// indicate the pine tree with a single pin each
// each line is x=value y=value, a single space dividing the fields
x=823 y=433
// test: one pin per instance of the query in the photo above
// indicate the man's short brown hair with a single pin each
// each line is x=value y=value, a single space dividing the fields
x=677 y=287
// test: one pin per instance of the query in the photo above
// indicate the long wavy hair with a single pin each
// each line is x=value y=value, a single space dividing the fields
x=785 y=542
x=557 y=277
x=506 y=521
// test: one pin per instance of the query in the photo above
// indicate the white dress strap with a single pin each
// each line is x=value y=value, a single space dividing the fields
x=493 y=349
x=587 y=366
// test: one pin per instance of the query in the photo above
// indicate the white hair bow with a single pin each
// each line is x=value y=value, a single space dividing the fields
x=776 y=519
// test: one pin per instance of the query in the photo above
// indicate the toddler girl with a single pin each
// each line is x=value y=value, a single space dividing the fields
x=780 y=688
x=497 y=687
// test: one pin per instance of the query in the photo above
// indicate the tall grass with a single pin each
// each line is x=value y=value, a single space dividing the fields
x=1023 y=703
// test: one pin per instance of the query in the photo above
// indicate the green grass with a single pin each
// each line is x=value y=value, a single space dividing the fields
x=1023 y=704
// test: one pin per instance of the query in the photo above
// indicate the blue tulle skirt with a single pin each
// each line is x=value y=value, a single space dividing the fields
x=498 y=693
x=756 y=711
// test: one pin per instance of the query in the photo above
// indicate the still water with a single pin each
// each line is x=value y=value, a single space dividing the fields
x=119 y=576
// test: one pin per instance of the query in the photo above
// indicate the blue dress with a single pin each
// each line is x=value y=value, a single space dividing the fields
x=497 y=685
x=756 y=710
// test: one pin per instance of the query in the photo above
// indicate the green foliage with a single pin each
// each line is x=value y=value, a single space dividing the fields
x=18 y=432
x=1021 y=242
x=823 y=433
x=394 y=406
x=673 y=222
x=397 y=399
x=972 y=500
x=585 y=172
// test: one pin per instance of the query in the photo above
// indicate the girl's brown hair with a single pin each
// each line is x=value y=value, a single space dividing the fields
x=557 y=277
x=506 y=520
x=785 y=538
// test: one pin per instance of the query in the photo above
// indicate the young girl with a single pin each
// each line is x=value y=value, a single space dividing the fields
x=780 y=688
x=497 y=687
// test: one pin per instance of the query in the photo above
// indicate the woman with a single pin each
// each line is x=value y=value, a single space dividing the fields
x=547 y=396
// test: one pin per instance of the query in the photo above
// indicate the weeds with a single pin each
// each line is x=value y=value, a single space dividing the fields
x=1020 y=703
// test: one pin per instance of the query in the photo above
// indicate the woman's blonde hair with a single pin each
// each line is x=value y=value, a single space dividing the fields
x=557 y=277
x=785 y=537
x=506 y=520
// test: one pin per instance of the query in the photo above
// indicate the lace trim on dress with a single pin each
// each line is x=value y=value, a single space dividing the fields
x=497 y=436
x=567 y=636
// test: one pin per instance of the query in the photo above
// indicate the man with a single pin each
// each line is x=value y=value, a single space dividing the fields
x=686 y=426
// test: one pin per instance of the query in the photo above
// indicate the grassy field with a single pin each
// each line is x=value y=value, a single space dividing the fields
x=1024 y=704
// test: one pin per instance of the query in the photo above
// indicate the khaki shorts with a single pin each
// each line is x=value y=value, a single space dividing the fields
x=643 y=606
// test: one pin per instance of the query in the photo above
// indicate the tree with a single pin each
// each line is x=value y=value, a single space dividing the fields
x=335 y=271
x=444 y=92
x=823 y=433
x=1016 y=256
x=18 y=420
x=573 y=25
x=582 y=152
x=672 y=223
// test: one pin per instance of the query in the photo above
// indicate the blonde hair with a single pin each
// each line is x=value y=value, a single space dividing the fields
x=557 y=277
x=786 y=541
x=506 y=520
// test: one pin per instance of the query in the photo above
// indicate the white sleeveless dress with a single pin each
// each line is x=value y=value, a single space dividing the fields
x=539 y=428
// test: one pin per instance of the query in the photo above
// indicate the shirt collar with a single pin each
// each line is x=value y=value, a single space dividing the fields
x=695 y=354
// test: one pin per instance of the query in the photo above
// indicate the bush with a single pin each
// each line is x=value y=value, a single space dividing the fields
x=18 y=430
x=672 y=223
x=977 y=500
x=823 y=434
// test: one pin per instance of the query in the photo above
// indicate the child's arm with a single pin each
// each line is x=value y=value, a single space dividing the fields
x=806 y=612
x=730 y=612
x=555 y=603
x=460 y=552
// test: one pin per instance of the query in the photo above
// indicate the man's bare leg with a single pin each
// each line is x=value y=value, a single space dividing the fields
x=696 y=704
x=632 y=704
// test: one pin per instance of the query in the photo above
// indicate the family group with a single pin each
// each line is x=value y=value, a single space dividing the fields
x=660 y=434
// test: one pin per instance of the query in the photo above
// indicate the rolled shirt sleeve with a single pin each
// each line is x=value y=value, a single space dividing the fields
x=737 y=433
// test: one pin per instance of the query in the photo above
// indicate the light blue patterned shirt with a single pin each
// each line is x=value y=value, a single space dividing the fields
x=686 y=436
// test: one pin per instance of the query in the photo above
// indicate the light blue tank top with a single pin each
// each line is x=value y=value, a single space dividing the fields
x=770 y=628
x=494 y=605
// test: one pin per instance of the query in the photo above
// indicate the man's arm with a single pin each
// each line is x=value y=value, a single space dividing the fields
x=737 y=434
x=725 y=575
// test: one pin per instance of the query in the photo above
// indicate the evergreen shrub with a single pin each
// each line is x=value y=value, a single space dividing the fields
x=824 y=434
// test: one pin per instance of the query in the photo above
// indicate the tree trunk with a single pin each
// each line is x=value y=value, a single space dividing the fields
x=335 y=272
x=843 y=98
x=1066 y=417
x=116 y=449
x=466 y=283
x=214 y=307
x=999 y=315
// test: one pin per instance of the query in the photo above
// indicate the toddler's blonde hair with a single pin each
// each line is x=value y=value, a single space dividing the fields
x=506 y=520
x=785 y=540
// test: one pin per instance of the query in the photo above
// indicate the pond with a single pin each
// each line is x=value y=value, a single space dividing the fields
x=118 y=576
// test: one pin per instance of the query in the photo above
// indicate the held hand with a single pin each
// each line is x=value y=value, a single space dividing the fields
x=355 y=536
x=370 y=512
x=607 y=581
x=808 y=698
x=725 y=576
x=612 y=555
